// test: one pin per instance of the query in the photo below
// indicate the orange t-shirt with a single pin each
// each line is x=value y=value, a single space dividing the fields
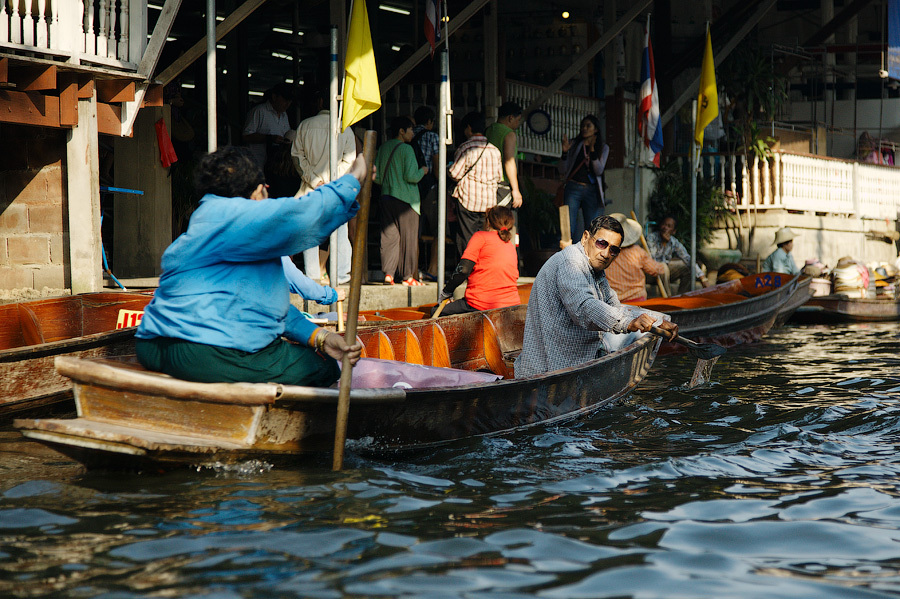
x=492 y=283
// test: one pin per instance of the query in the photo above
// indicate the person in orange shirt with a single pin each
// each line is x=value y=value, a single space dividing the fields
x=490 y=264
x=627 y=273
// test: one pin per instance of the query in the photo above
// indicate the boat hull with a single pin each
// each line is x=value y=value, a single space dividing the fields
x=838 y=308
x=82 y=326
x=131 y=416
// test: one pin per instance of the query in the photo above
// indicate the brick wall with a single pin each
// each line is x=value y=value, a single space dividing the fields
x=33 y=235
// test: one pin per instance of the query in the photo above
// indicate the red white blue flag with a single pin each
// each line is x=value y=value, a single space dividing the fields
x=649 y=125
x=432 y=23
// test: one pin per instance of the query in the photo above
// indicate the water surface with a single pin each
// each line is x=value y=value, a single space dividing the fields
x=777 y=479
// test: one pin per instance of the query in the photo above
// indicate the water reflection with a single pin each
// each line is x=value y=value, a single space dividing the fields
x=779 y=478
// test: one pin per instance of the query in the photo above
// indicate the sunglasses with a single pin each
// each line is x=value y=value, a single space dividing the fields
x=602 y=244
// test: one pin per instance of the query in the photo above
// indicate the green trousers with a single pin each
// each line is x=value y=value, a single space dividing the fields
x=278 y=362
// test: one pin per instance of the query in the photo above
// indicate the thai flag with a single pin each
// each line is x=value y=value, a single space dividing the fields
x=649 y=125
x=432 y=27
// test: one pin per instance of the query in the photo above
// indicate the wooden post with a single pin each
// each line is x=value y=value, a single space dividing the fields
x=565 y=228
x=358 y=271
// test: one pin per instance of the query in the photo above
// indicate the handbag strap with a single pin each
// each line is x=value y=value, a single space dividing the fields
x=471 y=166
x=387 y=167
x=574 y=172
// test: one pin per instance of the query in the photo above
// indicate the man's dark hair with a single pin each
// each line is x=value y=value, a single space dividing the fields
x=608 y=223
x=398 y=123
x=230 y=172
x=475 y=120
x=423 y=114
x=285 y=90
x=509 y=109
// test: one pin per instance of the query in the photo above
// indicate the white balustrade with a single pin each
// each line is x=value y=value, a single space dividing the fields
x=93 y=31
x=565 y=110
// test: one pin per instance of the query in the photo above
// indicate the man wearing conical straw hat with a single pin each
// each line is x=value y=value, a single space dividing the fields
x=781 y=259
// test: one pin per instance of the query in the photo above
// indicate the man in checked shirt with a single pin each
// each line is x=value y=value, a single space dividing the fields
x=574 y=316
x=477 y=169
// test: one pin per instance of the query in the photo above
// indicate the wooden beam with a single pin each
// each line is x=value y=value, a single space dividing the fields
x=29 y=108
x=199 y=49
x=68 y=99
x=33 y=78
x=85 y=88
x=827 y=30
x=109 y=119
x=158 y=38
x=115 y=90
x=693 y=89
x=419 y=55
x=154 y=96
x=588 y=55
x=4 y=70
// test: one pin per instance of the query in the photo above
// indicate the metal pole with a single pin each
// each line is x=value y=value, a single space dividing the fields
x=695 y=155
x=444 y=115
x=637 y=176
x=212 y=143
x=333 y=147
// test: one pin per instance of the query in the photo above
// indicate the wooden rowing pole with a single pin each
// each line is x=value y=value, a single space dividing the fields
x=357 y=272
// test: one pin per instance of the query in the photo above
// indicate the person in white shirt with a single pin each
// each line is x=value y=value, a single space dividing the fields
x=267 y=123
x=311 y=158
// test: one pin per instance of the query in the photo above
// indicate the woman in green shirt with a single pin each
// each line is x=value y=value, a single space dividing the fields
x=398 y=172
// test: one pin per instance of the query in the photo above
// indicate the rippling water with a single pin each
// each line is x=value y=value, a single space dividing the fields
x=777 y=479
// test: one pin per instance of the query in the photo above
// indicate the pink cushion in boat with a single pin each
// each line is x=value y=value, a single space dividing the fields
x=372 y=373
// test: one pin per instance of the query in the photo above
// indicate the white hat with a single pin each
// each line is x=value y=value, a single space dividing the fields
x=632 y=232
x=783 y=235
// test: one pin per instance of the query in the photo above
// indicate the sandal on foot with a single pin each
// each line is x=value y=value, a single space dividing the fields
x=411 y=282
x=388 y=280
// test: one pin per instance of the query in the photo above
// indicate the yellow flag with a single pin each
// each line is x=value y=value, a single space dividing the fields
x=708 y=98
x=361 y=94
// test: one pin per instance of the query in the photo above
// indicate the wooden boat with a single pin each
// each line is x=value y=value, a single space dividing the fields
x=731 y=313
x=131 y=416
x=367 y=317
x=841 y=308
x=33 y=333
x=801 y=295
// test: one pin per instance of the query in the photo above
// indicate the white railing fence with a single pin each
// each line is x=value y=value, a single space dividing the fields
x=109 y=32
x=807 y=183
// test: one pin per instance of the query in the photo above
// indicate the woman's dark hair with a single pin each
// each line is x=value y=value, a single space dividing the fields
x=596 y=123
x=399 y=123
x=475 y=120
x=230 y=172
x=423 y=114
x=500 y=218
x=608 y=223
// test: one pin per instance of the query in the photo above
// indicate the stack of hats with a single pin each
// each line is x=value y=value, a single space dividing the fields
x=850 y=278
x=885 y=278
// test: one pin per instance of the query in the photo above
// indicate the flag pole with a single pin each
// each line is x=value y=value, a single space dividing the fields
x=445 y=133
x=695 y=154
x=334 y=123
x=637 y=150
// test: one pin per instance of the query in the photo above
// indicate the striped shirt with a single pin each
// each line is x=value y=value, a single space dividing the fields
x=571 y=310
x=477 y=188
x=626 y=273
x=663 y=252
x=429 y=143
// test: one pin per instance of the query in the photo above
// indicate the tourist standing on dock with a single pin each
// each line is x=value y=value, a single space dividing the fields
x=503 y=135
x=223 y=301
x=477 y=169
x=781 y=260
x=267 y=123
x=668 y=250
x=628 y=273
x=312 y=160
x=398 y=173
x=489 y=266
x=581 y=165
x=573 y=315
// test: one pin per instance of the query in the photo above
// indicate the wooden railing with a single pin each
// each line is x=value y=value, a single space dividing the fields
x=808 y=183
x=112 y=33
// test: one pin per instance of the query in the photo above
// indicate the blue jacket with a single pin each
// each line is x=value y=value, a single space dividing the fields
x=223 y=282
x=306 y=287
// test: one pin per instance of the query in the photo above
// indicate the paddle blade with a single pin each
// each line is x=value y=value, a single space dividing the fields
x=705 y=351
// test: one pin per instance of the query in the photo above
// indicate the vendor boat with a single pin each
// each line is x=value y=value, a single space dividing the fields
x=836 y=308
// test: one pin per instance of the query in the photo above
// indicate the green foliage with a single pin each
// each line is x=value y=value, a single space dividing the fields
x=671 y=196
x=757 y=92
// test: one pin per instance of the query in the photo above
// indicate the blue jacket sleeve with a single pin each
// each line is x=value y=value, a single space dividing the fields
x=297 y=327
x=306 y=287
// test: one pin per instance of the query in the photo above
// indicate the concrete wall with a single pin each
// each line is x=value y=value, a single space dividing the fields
x=33 y=238
x=880 y=119
x=827 y=238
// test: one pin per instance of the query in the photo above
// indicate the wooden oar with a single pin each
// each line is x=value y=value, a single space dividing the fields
x=565 y=228
x=701 y=351
x=441 y=307
x=340 y=316
x=659 y=283
x=356 y=277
